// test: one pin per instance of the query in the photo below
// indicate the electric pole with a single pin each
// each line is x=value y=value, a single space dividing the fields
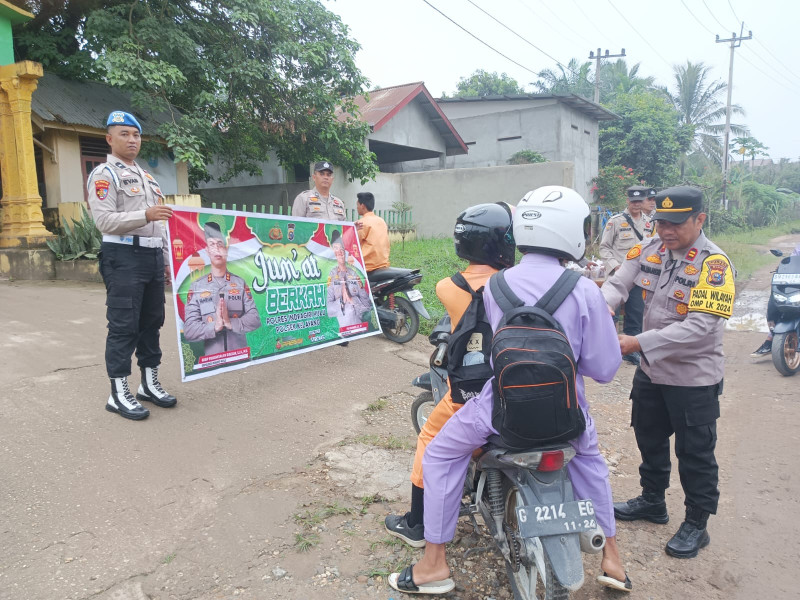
x=735 y=43
x=597 y=70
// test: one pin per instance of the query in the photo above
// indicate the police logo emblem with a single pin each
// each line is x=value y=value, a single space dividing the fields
x=691 y=270
x=205 y=294
x=645 y=282
x=682 y=308
x=117 y=117
x=716 y=272
x=667 y=203
x=679 y=294
x=634 y=252
x=654 y=258
x=101 y=189
x=210 y=319
x=136 y=190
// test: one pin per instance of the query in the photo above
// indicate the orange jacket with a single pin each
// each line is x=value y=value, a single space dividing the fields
x=374 y=237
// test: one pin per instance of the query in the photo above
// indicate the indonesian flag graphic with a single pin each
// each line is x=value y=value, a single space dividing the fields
x=320 y=246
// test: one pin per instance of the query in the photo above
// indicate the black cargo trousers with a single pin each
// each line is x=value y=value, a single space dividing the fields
x=691 y=413
x=134 y=279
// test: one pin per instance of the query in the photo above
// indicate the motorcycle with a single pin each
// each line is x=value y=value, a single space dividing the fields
x=524 y=498
x=786 y=299
x=398 y=315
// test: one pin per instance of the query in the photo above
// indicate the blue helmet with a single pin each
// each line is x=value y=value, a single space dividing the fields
x=119 y=117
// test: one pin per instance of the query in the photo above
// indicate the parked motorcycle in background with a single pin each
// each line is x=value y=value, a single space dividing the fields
x=524 y=498
x=398 y=315
x=786 y=299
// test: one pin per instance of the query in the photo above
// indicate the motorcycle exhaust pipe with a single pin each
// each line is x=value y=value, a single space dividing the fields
x=592 y=541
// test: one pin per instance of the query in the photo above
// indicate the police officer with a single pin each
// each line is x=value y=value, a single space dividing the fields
x=622 y=232
x=127 y=207
x=373 y=234
x=319 y=203
x=689 y=292
x=347 y=297
x=649 y=207
x=219 y=306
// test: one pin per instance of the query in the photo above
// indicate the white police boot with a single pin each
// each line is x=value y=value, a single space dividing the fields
x=122 y=402
x=150 y=389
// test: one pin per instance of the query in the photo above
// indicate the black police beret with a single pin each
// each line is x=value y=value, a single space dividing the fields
x=323 y=165
x=637 y=192
x=678 y=203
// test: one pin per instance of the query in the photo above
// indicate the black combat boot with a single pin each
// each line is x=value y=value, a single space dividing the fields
x=650 y=506
x=691 y=536
x=150 y=389
x=122 y=402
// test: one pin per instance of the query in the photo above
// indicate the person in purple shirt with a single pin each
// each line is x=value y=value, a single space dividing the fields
x=554 y=235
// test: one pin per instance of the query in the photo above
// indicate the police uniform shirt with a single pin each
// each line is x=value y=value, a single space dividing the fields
x=119 y=195
x=374 y=237
x=619 y=237
x=688 y=296
x=348 y=313
x=313 y=205
x=201 y=312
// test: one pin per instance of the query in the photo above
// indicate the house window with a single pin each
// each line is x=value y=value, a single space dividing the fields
x=93 y=153
x=302 y=173
x=506 y=139
x=575 y=127
x=470 y=143
x=587 y=132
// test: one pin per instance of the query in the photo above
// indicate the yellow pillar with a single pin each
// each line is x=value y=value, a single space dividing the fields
x=22 y=221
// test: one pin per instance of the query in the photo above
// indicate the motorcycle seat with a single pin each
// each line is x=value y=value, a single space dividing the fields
x=388 y=273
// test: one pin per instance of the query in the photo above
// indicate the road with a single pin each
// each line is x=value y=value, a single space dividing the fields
x=219 y=497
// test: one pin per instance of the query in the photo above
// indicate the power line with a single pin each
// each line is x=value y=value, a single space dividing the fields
x=738 y=20
x=696 y=19
x=492 y=48
x=713 y=16
x=761 y=71
x=585 y=16
x=779 y=61
x=639 y=34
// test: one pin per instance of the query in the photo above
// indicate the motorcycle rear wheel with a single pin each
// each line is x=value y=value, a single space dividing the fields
x=403 y=334
x=527 y=582
x=421 y=409
x=785 y=353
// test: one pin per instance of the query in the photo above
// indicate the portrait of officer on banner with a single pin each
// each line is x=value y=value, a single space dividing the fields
x=348 y=298
x=219 y=306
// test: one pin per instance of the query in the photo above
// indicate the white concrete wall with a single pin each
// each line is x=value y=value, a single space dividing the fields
x=411 y=127
x=63 y=172
x=271 y=172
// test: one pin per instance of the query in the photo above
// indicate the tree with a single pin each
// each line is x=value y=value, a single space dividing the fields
x=241 y=78
x=616 y=79
x=482 y=83
x=750 y=146
x=648 y=137
x=526 y=157
x=572 y=80
x=698 y=102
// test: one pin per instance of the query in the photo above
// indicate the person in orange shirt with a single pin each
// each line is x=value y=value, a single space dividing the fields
x=372 y=233
x=483 y=236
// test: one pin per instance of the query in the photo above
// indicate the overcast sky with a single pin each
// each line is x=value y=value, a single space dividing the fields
x=407 y=40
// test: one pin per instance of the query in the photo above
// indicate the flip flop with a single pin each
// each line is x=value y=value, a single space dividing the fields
x=615 y=584
x=404 y=582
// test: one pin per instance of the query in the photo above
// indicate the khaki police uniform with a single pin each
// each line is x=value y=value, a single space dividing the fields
x=201 y=313
x=619 y=237
x=132 y=259
x=348 y=313
x=688 y=296
x=313 y=205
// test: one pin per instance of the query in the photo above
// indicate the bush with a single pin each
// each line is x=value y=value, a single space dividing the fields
x=611 y=185
x=82 y=240
x=526 y=157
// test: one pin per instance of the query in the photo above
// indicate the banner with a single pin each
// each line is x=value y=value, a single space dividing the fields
x=250 y=288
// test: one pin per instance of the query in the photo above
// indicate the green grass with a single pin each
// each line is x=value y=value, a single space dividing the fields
x=741 y=247
x=387 y=443
x=379 y=404
x=305 y=541
x=169 y=558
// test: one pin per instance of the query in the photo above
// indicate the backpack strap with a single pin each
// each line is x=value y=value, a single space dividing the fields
x=502 y=293
x=461 y=283
x=557 y=294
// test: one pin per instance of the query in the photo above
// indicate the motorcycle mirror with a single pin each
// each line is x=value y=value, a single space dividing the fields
x=776 y=252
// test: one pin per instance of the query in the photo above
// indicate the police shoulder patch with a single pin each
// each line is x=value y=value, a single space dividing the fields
x=101 y=188
x=714 y=292
x=634 y=252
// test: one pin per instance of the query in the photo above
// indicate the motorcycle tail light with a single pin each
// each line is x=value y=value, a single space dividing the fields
x=551 y=461
x=416 y=280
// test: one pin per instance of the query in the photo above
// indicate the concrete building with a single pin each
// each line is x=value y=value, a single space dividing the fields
x=560 y=127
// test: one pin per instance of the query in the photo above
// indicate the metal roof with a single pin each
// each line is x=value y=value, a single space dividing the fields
x=385 y=103
x=58 y=101
x=579 y=103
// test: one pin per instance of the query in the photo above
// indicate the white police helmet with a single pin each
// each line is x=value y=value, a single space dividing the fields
x=552 y=219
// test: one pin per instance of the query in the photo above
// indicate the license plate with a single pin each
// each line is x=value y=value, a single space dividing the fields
x=414 y=295
x=556 y=519
x=785 y=278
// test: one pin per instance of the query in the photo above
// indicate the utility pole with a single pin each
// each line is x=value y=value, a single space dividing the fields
x=735 y=43
x=597 y=70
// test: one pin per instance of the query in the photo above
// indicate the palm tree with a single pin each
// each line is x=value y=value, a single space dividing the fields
x=616 y=79
x=699 y=103
x=572 y=80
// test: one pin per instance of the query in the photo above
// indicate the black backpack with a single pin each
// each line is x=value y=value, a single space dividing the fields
x=535 y=400
x=468 y=367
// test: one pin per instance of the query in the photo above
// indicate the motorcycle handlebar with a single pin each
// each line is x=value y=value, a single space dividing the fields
x=438 y=359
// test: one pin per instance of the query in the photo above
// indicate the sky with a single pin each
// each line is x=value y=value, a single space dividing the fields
x=404 y=41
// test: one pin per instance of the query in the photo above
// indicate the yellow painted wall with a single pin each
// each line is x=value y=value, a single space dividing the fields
x=182 y=176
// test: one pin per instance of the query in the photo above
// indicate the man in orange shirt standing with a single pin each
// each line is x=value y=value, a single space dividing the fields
x=372 y=233
x=483 y=237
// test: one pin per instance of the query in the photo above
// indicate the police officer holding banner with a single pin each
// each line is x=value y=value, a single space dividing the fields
x=127 y=207
x=319 y=203
x=688 y=290
x=622 y=232
x=219 y=306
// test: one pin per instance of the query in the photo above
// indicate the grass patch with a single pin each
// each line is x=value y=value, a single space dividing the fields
x=379 y=404
x=169 y=558
x=305 y=541
x=391 y=442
